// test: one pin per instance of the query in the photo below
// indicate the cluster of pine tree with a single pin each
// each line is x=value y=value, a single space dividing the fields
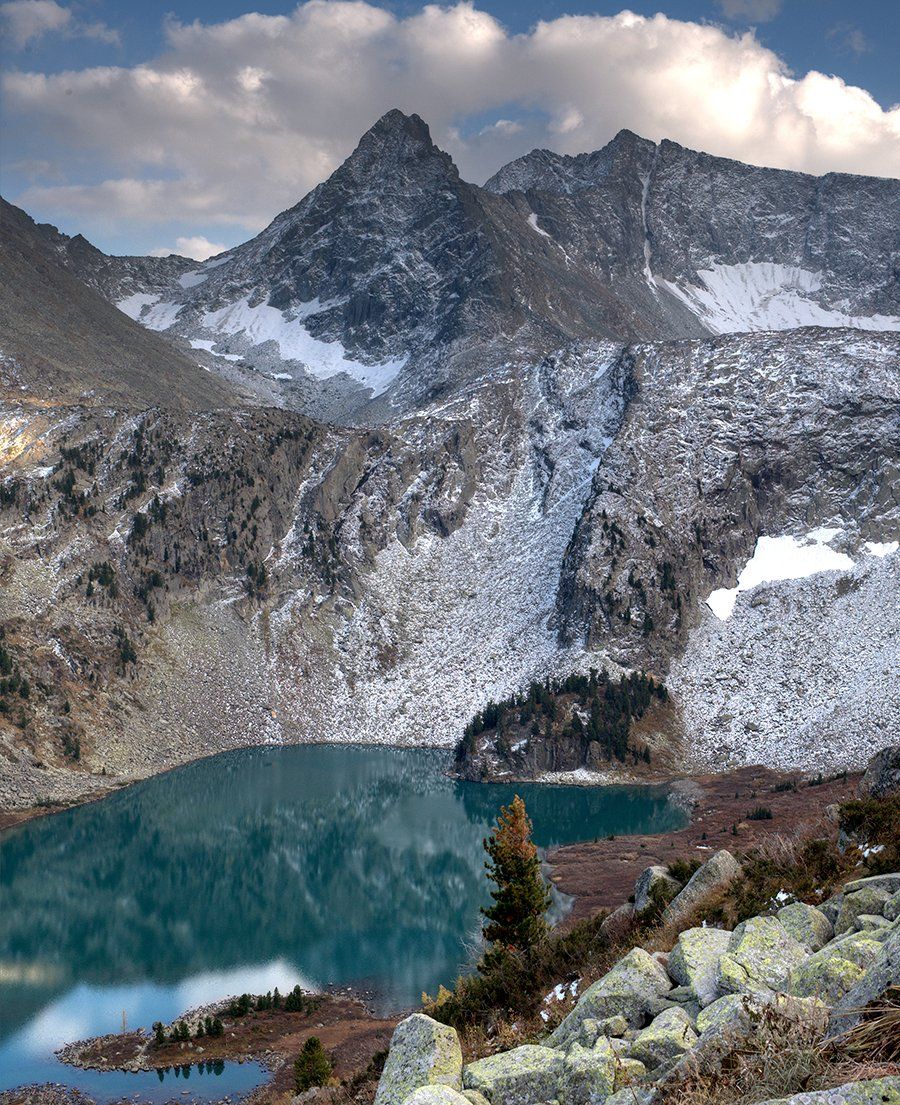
x=610 y=707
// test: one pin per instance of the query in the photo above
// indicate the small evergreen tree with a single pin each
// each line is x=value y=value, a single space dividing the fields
x=312 y=1067
x=516 y=919
x=159 y=1033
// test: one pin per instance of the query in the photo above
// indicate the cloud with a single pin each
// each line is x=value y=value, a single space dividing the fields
x=28 y=20
x=849 y=39
x=197 y=247
x=237 y=120
x=751 y=11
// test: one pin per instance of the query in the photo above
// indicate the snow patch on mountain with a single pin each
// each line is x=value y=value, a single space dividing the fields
x=202 y=343
x=804 y=674
x=776 y=558
x=763 y=295
x=133 y=305
x=261 y=323
x=533 y=223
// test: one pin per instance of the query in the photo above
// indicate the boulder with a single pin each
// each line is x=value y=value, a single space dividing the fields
x=834 y=970
x=877 y=1091
x=592 y=1029
x=871 y=922
x=832 y=907
x=666 y=1039
x=882 y=774
x=438 y=1095
x=588 y=1076
x=867 y=899
x=892 y=907
x=694 y=961
x=653 y=880
x=761 y=955
x=632 y=1095
x=889 y=882
x=627 y=990
x=722 y=1011
x=629 y=1071
x=519 y=1077
x=475 y=1098
x=716 y=874
x=884 y=971
x=806 y=924
x=423 y=1052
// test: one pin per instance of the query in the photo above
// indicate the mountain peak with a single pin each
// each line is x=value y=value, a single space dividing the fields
x=395 y=140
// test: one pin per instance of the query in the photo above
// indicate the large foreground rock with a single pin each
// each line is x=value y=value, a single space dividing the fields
x=857 y=902
x=669 y=1036
x=879 y=1091
x=883 y=972
x=761 y=955
x=806 y=924
x=437 y=1095
x=653 y=880
x=630 y=989
x=423 y=1052
x=589 y=1074
x=694 y=961
x=519 y=1077
x=715 y=875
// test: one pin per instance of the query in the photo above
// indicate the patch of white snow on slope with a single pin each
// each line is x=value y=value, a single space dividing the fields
x=201 y=343
x=322 y=359
x=882 y=548
x=777 y=558
x=160 y=316
x=533 y=223
x=762 y=295
x=133 y=305
x=192 y=279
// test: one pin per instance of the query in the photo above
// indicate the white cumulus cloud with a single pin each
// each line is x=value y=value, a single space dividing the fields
x=27 y=20
x=234 y=121
x=197 y=247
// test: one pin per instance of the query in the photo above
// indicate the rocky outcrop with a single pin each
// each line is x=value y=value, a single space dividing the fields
x=714 y=876
x=423 y=1053
x=634 y=1036
x=652 y=882
x=882 y=775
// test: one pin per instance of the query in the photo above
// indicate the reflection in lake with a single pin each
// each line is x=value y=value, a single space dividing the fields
x=327 y=865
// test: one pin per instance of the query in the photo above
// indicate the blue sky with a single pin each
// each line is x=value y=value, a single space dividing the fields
x=147 y=133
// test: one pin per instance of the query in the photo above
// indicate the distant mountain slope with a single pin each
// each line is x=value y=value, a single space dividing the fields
x=394 y=280
x=60 y=338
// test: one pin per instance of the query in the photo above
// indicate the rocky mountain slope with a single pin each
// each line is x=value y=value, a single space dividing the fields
x=367 y=298
x=190 y=562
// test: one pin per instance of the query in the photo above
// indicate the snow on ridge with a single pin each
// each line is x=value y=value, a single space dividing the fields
x=202 y=343
x=778 y=558
x=322 y=359
x=533 y=223
x=764 y=295
x=192 y=279
x=133 y=305
x=882 y=548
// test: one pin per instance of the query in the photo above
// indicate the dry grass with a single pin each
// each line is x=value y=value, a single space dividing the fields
x=780 y=1058
x=877 y=1036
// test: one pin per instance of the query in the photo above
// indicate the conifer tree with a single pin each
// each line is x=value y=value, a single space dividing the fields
x=515 y=922
x=313 y=1067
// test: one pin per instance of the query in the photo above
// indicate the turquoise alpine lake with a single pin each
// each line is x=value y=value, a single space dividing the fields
x=337 y=866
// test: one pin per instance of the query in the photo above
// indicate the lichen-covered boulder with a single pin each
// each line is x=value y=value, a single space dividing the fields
x=591 y=1030
x=826 y=974
x=716 y=874
x=877 y=1091
x=652 y=881
x=831 y=907
x=438 y=1095
x=632 y=1095
x=627 y=990
x=694 y=961
x=721 y=1012
x=761 y=955
x=889 y=881
x=667 y=1038
x=891 y=910
x=868 y=899
x=522 y=1076
x=884 y=971
x=629 y=1071
x=475 y=1098
x=807 y=925
x=588 y=1076
x=871 y=922
x=423 y=1052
